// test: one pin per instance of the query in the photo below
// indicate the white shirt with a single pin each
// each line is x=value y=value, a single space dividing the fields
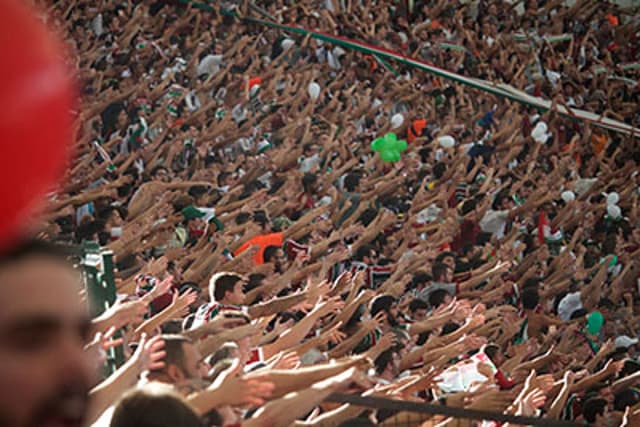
x=495 y=222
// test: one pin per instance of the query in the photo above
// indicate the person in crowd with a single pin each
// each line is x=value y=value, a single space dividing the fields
x=236 y=158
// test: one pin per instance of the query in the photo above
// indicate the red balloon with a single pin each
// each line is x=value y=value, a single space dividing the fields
x=36 y=97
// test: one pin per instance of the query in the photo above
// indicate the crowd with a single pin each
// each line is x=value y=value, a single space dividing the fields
x=267 y=258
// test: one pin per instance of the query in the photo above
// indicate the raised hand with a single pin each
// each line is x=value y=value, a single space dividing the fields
x=387 y=341
x=533 y=401
x=287 y=361
x=240 y=391
x=375 y=323
x=328 y=307
x=150 y=354
x=181 y=302
x=125 y=313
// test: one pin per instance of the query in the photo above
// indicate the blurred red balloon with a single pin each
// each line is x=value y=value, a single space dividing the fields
x=36 y=97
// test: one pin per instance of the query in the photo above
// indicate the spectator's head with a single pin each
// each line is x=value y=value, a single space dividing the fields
x=225 y=179
x=420 y=280
x=227 y=288
x=448 y=258
x=530 y=298
x=352 y=182
x=494 y=352
x=387 y=304
x=388 y=364
x=182 y=361
x=44 y=326
x=154 y=405
x=418 y=309
x=309 y=183
x=594 y=410
x=309 y=150
x=442 y=273
x=502 y=201
x=275 y=255
x=228 y=351
x=439 y=297
x=262 y=219
x=366 y=254
x=625 y=398
x=160 y=173
x=438 y=170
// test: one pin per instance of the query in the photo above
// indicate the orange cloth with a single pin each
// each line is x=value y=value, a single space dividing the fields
x=599 y=143
x=613 y=20
x=261 y=241
x=415 y=130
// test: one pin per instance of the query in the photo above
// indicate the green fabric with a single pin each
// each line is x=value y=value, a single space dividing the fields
x=217 y=222
x=191 y=212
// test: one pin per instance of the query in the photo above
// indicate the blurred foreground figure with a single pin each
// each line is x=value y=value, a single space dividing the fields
x=45 y=373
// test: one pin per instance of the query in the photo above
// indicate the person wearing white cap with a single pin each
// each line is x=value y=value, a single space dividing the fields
x=627 y=343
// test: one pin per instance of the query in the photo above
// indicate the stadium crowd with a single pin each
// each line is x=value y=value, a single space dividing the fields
x=268 y=258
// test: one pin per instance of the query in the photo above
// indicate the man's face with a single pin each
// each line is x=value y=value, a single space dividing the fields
x=280 y=261
x=449 y=276
x=45 y=374
x=450 y=261
x=162 y=175
x=419 y=314
x=237 y=297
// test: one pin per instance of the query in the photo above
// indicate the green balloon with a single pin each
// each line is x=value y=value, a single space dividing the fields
x=389 y=147
x=594 y=322
x=387 y=156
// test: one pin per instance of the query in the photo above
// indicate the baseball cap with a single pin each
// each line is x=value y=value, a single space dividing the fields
x=625 y=341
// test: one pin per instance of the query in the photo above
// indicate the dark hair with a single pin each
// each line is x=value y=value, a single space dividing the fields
x=308 y=180
x=270 y=252
x=196 y=191
x=382 y=361
x=439 y=271
x=530 y=298
x=222 y=283
x=418 y=304
x=439 y=169
x=449 y=328
x=492 y=350
x=243 y=218
x=497 y=201
x=606 y=303
x=368 y=216
x=630 y=367
x=382 y=303
x=532 y=283
x=221 y=177
x=441 y=256
x=363 y=251
x=581 y=312
x=437 y=297
x=625 y=398
x=157 y=169
x=468 y=206
x=260 y=218
x=254 y=281
x=420 y=278
x=351 y=182
x=592 y=408
x=152 y=406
